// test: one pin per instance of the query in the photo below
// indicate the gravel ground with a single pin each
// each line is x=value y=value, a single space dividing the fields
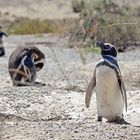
x=57 y=111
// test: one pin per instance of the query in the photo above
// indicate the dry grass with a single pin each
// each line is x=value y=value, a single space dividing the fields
x=37 y=26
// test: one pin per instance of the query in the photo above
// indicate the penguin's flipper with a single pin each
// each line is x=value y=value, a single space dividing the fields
x=123 y=90
x=89 y=90
x=29 y=69
x=25 y=73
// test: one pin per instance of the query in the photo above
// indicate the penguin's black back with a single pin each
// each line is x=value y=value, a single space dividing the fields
x=16 y=57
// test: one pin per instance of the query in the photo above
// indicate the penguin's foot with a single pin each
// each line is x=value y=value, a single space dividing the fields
x=19 y=83
x=99 y=118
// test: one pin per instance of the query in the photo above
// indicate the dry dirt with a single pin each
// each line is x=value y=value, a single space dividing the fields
x=57 y=111
x=42 y=9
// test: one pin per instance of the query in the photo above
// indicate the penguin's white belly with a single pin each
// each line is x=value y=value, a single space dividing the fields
x=108 y=95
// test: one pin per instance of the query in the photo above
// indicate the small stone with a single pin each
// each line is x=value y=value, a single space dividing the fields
x=75 y=131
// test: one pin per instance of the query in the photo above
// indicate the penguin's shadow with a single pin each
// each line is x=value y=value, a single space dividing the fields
x=38 y=84
x=124 y=122
x=35 y=84
x=121 y=122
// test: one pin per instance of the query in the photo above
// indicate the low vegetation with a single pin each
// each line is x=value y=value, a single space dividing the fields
x=30 y=26
x=37 y=26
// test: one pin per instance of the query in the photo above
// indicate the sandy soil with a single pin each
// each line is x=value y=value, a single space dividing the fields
x=44 y=9
x=57 y=111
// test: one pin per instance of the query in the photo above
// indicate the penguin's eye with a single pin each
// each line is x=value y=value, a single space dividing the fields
x=108 y=48
x=35 y=56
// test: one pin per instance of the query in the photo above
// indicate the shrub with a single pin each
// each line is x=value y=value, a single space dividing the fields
x=107 y=21
x=77 y=5
x=30 y=26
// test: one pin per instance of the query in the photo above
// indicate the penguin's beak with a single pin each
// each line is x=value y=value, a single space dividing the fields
x=100 y=44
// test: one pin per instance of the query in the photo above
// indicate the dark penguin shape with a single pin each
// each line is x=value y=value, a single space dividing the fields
x=24 y=62
x=110 y=90
x=2 y=50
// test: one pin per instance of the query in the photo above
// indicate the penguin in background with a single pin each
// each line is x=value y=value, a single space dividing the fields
x=2 y=50
x=110 y=89
x=24 y=63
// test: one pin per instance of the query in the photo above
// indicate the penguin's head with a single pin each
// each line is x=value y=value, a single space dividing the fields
x=37 y=56
x=107 y=49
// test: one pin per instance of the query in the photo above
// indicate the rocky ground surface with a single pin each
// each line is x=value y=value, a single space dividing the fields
x=57 y=111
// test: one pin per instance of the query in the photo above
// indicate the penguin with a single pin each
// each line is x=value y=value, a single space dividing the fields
x=24 y=63
x=111 y=98
x=2 y=50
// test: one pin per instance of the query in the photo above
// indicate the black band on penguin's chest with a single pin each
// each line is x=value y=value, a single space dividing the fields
x=110 y=62
x=111 y=59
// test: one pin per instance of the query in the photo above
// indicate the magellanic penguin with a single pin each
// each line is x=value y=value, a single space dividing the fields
x=110 y=89
x=24 y=62
x=2 y=50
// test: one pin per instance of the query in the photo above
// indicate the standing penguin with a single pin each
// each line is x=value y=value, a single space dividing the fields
x=2 y=50
x=110 y=89
x=24 y=62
